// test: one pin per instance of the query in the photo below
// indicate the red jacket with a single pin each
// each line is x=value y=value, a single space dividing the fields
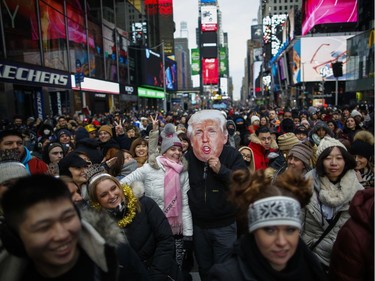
x=37 y=166
x=353 y=252
x=260 y=154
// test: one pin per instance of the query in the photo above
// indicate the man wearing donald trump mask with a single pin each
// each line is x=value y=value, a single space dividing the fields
x=211 y=164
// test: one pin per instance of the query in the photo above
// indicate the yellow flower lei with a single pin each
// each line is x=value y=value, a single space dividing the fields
x=131 y=206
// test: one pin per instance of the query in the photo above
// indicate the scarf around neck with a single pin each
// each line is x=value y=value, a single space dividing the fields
x=303 y=265
x=172 y=194
x=336 y=195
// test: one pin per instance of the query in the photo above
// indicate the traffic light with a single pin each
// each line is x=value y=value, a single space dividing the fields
x=337 y=68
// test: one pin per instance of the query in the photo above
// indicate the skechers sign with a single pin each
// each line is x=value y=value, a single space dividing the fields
x=35 y=75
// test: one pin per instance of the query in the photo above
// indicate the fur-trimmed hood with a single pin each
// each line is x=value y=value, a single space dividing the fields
x=105 y=226
x=138 y=189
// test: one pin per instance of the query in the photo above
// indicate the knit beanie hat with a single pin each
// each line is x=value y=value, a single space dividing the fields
x=107 y=129
x=303 y=151
x=169 y=138
x=52 y=145
x=63 y=132
x=274 y=210
x=254 y=118
x=287 y=141
x=10 y=166
x=355 y=113
x=328 y=142
x=363 y=144
x=362 y=148
x=81 y=133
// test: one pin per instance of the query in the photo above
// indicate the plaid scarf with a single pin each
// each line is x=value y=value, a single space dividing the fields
x=172 y=194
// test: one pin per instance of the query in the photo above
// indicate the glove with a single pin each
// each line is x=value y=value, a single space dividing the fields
x=188 y=259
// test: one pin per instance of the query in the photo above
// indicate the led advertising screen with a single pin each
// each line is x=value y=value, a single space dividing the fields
x=318 y=53
x=161 y=7
x=315 y=12
x=208 y=18
x=257 y=32
x=208 y=42
x=195 y=65
x=294 y=55
x=210 y=71
x=224 y=63
x=153 y=75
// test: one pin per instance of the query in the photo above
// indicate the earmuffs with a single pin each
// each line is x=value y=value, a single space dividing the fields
x=11 y=240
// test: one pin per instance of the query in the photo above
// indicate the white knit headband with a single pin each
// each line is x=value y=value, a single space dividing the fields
x=272 y=211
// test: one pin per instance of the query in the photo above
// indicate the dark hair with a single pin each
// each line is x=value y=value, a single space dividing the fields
x=115 y=168
x=7 y=133
x=183 y=136
x=262 y=129
x=28 y=191
x=348 y=159
x=334 y=124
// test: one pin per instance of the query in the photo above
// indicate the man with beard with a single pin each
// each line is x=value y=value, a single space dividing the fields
x=12 y=139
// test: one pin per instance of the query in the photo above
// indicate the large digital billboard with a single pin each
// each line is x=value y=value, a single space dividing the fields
x=223 y=63
x=318 y=53
x=152 y=68
x=209 y=18
x=195 y=65
x=161 y=7
x=208 y=41
x=210 y=71
x=315 y=12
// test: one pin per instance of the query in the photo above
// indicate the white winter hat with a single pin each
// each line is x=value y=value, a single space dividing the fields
x=254 y=118
x=328 y=142
x=355 y=113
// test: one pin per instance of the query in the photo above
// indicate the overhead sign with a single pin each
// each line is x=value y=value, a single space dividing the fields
x=210 y=71
x=150 y=93
x=195 y=64
x=209 y=18
x=33 y=75
x=97 y=86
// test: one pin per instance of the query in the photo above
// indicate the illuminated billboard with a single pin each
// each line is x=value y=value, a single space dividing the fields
x=152 y=69
x=208 y=18
x=317 y=55
x=210 y=71
x=315 y=12
x=224 y=63
x=159 y=7
x=208 y=41
x=195 y=65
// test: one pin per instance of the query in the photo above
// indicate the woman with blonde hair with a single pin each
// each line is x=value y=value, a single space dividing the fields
x=141 y=220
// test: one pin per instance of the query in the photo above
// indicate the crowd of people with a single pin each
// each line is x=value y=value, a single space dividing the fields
x=246 y=194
